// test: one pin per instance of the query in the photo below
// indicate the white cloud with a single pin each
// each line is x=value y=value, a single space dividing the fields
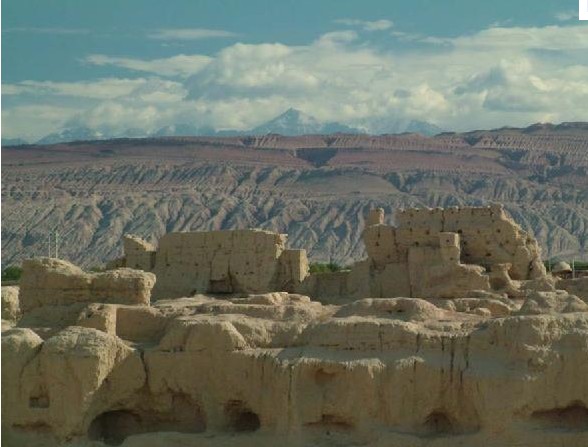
x=190 y=34
x=106 y=88
x=30 y=122
x=519 y=38
x=336 y=38
x=366 y=25
x=494 y=77
x=181 y=65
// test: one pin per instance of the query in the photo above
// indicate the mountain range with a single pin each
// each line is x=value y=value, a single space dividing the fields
x=292 y=122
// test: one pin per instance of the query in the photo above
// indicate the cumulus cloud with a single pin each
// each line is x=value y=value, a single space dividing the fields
x=30 y=122
x=519 y=38
x=190 y=34
x=494 y=77
x=181 y=65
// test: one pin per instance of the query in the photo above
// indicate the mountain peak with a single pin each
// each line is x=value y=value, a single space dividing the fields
x=296 y=122
x=294 y=115
x=69 y=134
x=292 y=111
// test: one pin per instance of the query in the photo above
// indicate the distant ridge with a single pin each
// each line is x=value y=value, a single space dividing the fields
x=279 y=127
x=292 y=122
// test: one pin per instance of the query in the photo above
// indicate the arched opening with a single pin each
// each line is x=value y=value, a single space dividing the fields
x=438 y=423
x=183 y=415
x=240 y=418
x=572 y=417
x=113 y=427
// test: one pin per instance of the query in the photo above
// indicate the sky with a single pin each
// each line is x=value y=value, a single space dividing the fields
x=140 y=65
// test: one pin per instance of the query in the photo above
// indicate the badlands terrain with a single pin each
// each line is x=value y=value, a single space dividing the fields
x=315 y=188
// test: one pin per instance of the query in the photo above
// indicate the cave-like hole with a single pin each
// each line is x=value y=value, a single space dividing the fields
x=240 y=418
x=113 y=427
x=41 y=401
x=572 y=417
x=184 y=415
x=438 y=423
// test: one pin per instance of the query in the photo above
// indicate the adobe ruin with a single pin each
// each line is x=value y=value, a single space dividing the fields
x=239 y=261
x=437 y=253
x=429 y=253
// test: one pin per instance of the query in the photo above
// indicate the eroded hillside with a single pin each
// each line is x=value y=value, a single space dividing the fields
x=315 y=188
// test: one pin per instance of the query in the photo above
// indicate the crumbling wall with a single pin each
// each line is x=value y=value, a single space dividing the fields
x=292 y=269
x=488 y=236
x=10 y=304
x=436 y=253
x=54 y=282
x=252 y=261
x=139 y=254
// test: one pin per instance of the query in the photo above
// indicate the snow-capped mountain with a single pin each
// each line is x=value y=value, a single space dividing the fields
x=73 y=134
x=184 y=130
x=290 y=123
x=295 y=122
x=392 y=125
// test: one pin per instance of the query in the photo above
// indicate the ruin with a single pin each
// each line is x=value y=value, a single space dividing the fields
x=429 y=253
x=437 y=253
x=251 y=261
x=450 y=332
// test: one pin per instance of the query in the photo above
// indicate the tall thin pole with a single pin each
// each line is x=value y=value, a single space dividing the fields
x=56 y=244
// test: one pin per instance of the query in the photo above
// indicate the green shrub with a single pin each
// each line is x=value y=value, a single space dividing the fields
x=578 y=265
x=321 y=267
x=11 y=273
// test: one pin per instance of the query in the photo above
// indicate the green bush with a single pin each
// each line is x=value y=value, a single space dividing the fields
x=581 y=265
x=11 y=273
x=578 y=265
x=321 y=267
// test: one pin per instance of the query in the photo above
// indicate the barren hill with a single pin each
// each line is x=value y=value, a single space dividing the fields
x=316 y=188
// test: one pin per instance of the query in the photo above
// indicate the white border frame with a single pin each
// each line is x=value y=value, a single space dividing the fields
x=583 y=10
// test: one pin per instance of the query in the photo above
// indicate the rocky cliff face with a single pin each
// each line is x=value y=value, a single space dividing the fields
x=315 y=188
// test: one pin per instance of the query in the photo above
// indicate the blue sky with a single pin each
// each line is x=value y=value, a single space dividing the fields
x=462 y=64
